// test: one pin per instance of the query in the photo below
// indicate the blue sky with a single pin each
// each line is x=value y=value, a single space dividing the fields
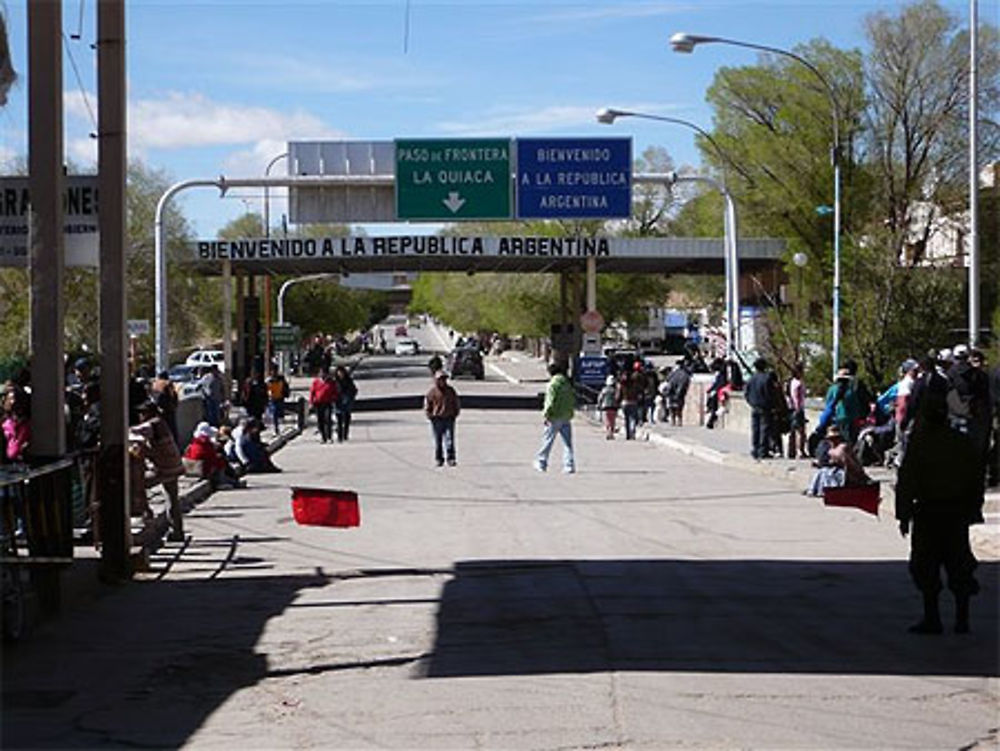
x=220 y=87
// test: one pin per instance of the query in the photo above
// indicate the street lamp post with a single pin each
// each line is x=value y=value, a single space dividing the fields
x=973 y=175
x=682 y=42
x=731 y=255
x=281 y=302
x=267 y=279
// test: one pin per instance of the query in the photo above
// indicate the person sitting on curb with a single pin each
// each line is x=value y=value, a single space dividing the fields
x=837 y=465
x=203 y=456
x=250 y=451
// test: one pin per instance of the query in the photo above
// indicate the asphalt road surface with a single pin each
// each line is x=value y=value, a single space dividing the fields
x=651 y=600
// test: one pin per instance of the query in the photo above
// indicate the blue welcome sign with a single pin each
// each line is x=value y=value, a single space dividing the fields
x=574 y=178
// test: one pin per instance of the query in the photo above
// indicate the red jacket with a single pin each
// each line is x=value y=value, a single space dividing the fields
x=202 y=449
x=323 y=391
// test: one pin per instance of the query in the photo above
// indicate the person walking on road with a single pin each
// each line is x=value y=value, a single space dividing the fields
x=676 y=393
x=277 y=391
x=347 y=392
x=442 y=405
x=322 y=395
x=759 y=397
x=607 y=402
x=558 y=410
x=629 y=395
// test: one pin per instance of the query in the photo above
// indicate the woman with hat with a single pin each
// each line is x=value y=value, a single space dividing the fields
x=837 y=465
x=607 y=402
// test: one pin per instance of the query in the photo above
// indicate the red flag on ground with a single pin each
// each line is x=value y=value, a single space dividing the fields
x=325 y=508
x=864 y=497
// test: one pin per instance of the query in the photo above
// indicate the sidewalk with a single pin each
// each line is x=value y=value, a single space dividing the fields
x=732 y=448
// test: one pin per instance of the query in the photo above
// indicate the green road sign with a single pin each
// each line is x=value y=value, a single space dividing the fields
x=453 y=179
x=284 y=336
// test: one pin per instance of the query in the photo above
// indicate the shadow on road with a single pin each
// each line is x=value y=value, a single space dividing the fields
x=147 y=665
x=757 y=616
x=144 y=665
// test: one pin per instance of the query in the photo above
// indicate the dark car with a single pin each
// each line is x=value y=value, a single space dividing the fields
x=466 y=361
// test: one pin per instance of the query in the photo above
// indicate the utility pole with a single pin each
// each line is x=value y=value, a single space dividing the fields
x=45 y=255
x=113 y=477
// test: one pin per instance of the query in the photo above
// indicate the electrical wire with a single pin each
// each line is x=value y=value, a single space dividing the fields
x=79 y=81
x=79 y=22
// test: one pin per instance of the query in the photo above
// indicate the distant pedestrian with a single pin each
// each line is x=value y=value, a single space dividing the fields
x=797 y=406
x=277 y=391
x=255 y=395
x=558 y=410
x=676 y=393
x=322 y=396
x=758 y=396
x=212 y=396
x=629 y=393
x=607 y=403
x=347 y=392
x=713 y=399
x=442 y=406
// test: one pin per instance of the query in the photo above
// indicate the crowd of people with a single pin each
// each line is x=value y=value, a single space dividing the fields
x=219 y=450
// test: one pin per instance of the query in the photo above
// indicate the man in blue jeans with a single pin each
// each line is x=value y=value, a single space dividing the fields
x=442 y=405
x=558 y=410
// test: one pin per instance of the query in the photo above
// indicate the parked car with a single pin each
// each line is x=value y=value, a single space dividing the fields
x=407 y=347
x=207 y=357
x=185 y=377
x=466 y=361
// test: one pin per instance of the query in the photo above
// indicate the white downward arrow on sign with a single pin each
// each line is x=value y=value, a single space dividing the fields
x=454 y=202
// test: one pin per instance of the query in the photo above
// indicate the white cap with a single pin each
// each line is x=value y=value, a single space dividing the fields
x=960 y=352
x=204 y=430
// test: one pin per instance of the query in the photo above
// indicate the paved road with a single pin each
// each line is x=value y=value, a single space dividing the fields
x=652 y=600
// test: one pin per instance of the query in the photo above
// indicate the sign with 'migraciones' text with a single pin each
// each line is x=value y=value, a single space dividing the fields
x=81 y=233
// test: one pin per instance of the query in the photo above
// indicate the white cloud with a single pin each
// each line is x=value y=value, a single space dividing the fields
x=544 y=119
x=82 y=151
x=191 y=119
x=253 y=161
x=523 y=121
x=7 y=157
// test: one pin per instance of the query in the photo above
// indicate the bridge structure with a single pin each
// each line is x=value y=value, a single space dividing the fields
x=364 y=198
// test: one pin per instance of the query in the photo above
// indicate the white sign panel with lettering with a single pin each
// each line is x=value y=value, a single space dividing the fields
x=80 y=226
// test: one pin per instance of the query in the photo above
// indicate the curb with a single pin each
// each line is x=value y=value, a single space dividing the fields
x=150 y=538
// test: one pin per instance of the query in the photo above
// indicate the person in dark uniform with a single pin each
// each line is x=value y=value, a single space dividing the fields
x=939 y=494
x=758 y=393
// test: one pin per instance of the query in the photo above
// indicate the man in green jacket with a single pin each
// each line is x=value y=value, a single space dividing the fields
x=560 y=405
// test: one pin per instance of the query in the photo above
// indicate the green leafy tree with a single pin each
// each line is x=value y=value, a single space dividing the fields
x=903 y=112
